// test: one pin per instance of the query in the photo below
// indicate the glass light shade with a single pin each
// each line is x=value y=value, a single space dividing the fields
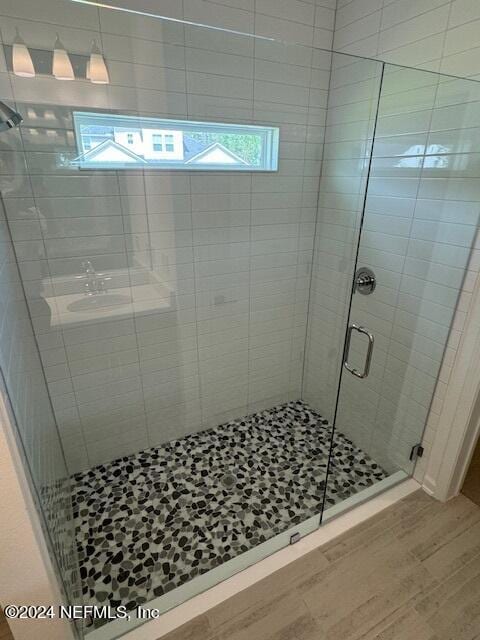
x=21 y=59
x=97 y=71
x=62 y=67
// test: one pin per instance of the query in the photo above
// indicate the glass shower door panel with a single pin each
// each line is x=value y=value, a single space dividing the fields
x=352 y=107
x=418 y=232
x=172 y=307
x=22 y=373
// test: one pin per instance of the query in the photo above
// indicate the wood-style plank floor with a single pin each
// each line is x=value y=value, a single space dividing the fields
x=410 y=573
x=5 y=633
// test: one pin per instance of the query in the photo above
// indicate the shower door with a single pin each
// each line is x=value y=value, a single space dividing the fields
x=415 y=244
x=171 y=304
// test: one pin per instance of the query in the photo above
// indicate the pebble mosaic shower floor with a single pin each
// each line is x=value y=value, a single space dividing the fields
x=150 y=522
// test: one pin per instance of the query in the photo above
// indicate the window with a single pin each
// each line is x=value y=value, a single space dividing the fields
x=130 y=141
x=169 y=146
x=163 y=142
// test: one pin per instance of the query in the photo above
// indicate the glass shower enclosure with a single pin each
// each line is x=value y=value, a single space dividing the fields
x=239 y=268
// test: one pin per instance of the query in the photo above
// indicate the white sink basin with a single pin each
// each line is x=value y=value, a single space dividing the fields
x=98 y=301
x=75 y=309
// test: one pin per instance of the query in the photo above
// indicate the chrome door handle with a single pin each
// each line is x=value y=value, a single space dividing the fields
x=368 y=360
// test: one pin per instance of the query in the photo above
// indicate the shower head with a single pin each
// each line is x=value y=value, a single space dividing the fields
x=8 y=117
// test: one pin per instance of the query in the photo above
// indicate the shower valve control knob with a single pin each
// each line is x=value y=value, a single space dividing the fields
x=365 y=281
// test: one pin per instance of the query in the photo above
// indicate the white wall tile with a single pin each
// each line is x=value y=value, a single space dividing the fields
x=427 y=270
x=208 y=264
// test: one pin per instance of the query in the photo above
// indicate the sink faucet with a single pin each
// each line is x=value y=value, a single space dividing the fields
x=94 y=282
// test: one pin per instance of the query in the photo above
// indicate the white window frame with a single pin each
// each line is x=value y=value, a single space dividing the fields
x=269 y=135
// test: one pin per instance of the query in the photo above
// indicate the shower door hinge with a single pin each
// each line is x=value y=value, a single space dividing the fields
x=295 y=537
x=81 y=624
x=416 y=452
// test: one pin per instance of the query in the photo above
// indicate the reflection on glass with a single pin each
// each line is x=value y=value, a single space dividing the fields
x=421 y=155
x=110 y=141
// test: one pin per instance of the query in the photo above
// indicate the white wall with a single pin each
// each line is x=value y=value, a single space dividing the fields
x=234 y=250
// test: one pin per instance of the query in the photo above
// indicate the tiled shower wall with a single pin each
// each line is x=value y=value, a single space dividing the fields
x=438 y=35
x=352 y=105
x=38 y=439
x=421 y=216
x=420 y=224
x=217 y=265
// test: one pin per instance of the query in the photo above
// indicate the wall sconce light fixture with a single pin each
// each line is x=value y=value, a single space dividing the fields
x=62 y=67
x=21 y=59
x=97 y=71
